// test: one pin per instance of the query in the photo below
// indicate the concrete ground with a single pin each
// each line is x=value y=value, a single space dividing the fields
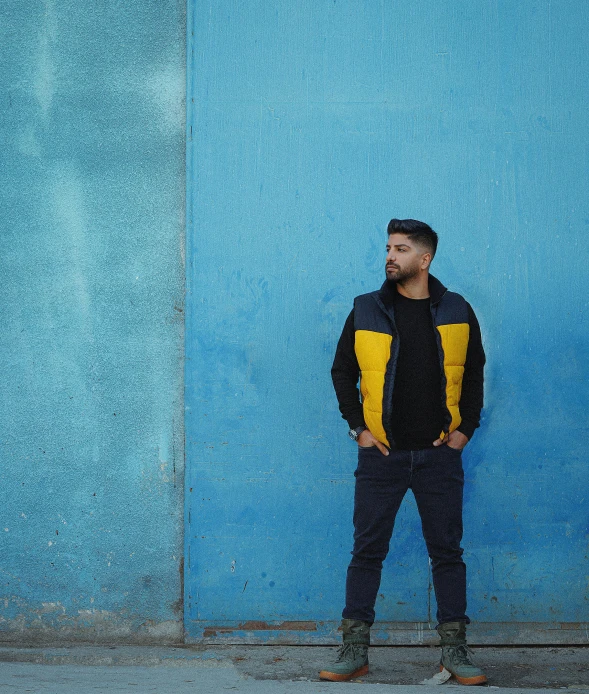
x=275 y=670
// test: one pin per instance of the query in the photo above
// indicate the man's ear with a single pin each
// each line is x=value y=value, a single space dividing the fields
x=426 y=261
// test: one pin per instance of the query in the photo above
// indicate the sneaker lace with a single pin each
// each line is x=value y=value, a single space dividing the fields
x=353 y=650
x=462 y=654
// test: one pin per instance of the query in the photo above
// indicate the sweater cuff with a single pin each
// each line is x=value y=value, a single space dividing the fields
x=355 y=422
x=467 y=428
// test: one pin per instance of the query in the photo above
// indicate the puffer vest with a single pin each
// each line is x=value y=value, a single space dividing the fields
x=377 y=350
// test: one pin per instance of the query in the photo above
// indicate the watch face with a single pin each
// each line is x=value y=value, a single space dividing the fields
x=353 y=435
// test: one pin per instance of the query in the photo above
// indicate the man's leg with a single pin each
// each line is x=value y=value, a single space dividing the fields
x=381 y=483
x=438 y=483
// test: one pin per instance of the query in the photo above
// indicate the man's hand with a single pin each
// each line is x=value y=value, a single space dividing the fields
x=367 y=440
x=455 y=439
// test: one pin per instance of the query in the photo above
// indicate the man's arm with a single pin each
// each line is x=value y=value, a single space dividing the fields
x=471 y=400
x=345 y=373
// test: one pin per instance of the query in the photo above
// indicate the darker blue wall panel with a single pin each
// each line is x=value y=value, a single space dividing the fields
x=311 y=125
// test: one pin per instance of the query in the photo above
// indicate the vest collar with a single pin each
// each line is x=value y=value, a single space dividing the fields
x=436 y=291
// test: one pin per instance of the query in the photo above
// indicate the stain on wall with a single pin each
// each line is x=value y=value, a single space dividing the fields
x=91 y=235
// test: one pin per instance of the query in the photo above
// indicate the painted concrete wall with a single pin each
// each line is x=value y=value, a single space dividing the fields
x=91 y=234
x=313 y=124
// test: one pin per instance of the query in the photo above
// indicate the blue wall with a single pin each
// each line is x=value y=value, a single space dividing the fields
x=313 y=124
x=91 y=234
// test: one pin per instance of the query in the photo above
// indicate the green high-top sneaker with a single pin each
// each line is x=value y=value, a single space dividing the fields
x=352 y=655
x=456 y=656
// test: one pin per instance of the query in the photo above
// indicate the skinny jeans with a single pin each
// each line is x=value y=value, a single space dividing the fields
x=436 y=477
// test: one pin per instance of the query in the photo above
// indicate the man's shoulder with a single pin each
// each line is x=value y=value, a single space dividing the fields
x=453 y=307
x=369 y=296
x=370 y=314
x=456 y=298
x=453 y=296
x=368 y=301
x=379 y=295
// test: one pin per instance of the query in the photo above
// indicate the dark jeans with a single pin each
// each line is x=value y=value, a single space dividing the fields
x=436 y=478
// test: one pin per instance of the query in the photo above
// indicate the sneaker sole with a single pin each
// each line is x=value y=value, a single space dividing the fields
x=480 y=679
x=336 y=677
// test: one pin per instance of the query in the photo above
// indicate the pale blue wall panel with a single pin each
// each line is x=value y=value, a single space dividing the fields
x=91 y=233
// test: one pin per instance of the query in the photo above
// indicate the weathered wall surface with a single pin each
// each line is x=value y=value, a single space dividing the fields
x=91 y=234
x=314 y=123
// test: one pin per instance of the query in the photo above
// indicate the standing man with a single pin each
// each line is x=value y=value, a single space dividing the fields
x=416 y=348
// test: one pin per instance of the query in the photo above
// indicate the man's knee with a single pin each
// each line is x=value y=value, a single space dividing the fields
x=367 y=559
x=447 y=557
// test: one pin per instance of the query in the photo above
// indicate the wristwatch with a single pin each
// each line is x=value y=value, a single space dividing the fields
x=354 y=433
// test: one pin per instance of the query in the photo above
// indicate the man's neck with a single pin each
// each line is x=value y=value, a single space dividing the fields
x=416 y=287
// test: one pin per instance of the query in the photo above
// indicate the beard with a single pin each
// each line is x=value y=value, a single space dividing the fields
x=402 y=274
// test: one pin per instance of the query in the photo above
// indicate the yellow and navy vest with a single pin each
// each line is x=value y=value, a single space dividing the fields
x=377 y=350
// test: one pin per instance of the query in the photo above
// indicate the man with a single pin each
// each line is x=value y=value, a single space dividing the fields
x=416 y=348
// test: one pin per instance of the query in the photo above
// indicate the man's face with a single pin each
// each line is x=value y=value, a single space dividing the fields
x=405 y=260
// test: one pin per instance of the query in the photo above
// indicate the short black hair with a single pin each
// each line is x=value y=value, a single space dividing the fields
x=420 y=232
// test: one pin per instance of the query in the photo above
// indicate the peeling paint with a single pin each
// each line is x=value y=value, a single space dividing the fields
x=254 y=625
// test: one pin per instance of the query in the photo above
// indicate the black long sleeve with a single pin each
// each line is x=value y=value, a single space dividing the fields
x=345 y=373
x=471 y=400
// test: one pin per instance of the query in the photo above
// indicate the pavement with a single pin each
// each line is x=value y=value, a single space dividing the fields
x=277 y=670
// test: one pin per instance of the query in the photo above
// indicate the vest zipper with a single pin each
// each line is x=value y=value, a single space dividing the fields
x=443 y=380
